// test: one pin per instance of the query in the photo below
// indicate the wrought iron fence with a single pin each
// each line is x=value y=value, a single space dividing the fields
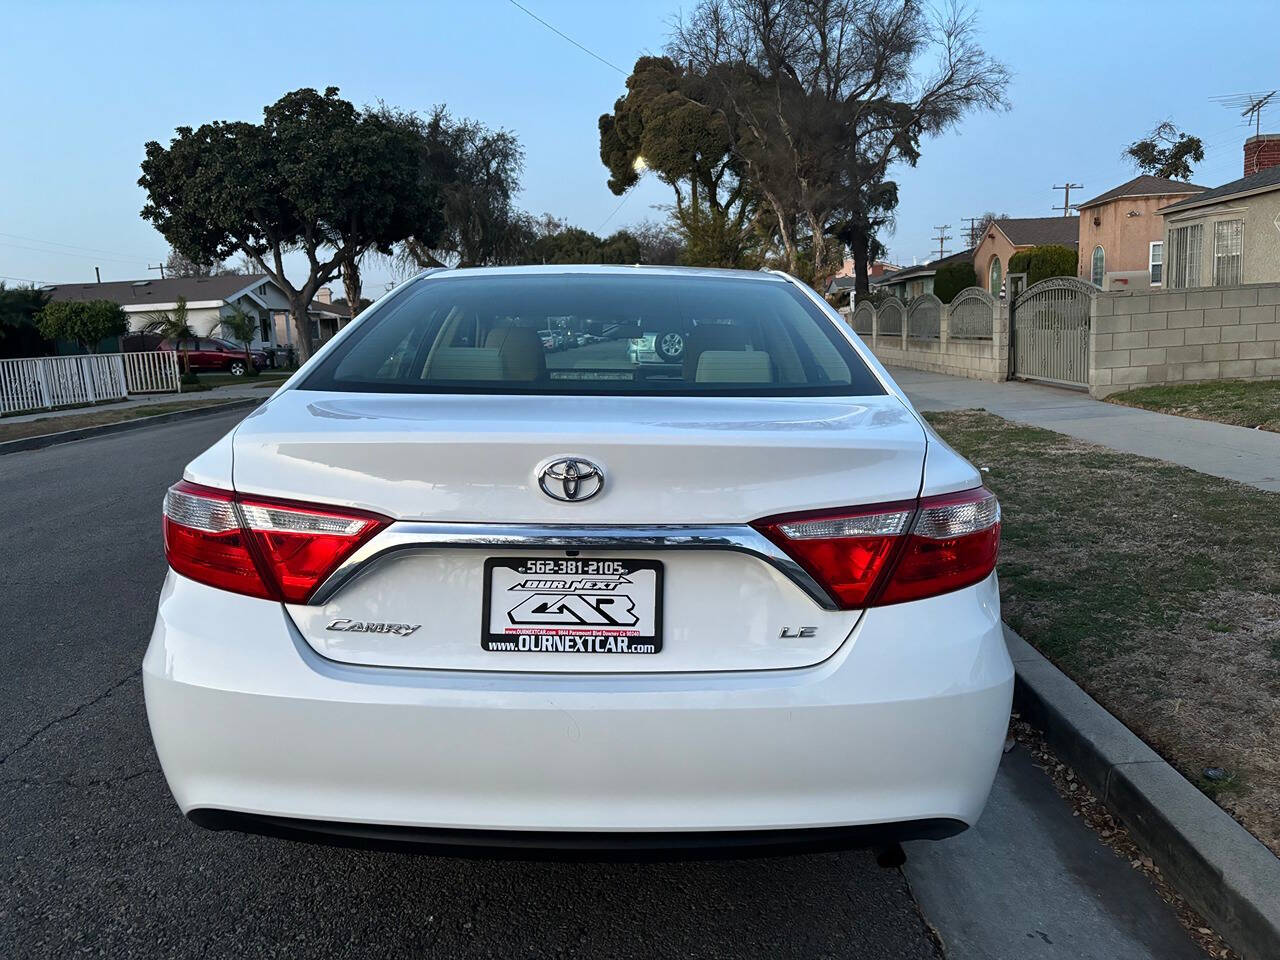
x=924 y=318
x=1050 y=323
x=972 y=314
x=863 y=318
x=889 y=318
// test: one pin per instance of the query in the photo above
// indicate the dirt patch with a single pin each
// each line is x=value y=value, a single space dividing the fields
x=1156 y=588
x=1244 y=403
x=56 y=424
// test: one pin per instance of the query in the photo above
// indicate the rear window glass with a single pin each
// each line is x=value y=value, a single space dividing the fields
x=597 y=334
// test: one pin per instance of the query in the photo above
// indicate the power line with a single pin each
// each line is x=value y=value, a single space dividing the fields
x=70 y=253
x=39 y=283
x=565 y=36
x=69 y=246
x=615 y=210
x=942 y=238
x=1066 y=189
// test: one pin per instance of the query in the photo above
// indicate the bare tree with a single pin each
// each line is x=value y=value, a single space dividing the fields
x=180 y=265
x=827 y=94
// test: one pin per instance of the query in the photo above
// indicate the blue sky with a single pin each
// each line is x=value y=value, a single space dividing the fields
x=84 y=86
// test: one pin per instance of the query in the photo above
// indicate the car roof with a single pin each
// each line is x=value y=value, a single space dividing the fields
x=596 y=269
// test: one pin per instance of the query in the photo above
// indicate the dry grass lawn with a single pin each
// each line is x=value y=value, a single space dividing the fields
x=1241 y=402
x=1155 y=587
x=96 y=418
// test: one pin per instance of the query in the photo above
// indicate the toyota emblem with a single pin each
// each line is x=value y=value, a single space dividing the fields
x=570 y=479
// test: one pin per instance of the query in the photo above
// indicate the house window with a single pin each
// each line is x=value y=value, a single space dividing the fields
x=1098 y=267
x=1184 y=253
x=995 y=277
x=1156 y=263
x=1228 y=247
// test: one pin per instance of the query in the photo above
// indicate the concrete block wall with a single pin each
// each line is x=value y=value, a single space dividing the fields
x=975 y=359
x=1184 y=336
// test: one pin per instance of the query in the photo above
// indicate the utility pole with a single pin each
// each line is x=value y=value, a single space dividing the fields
x=158 y=266
x=1066 y=189
x=973 y=229
x=942 y=238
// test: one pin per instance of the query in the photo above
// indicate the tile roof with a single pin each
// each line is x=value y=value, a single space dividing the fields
x=1145 y=186
x=1036 y=231
x=158 y=291
x=1262 y=180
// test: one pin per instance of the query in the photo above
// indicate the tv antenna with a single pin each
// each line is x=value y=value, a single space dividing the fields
x=1249 y=104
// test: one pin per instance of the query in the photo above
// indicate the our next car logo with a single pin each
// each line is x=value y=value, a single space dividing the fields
x=570 y=479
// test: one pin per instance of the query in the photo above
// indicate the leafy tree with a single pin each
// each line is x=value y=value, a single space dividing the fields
x=1043 y=262
x=825 y=95
x=86 y=322
x=316 y=176
x=952 y=278
x=19 y=308
x=665 y=124
x=242 y=326
x=475 y=174
x=175 y=327
x=1166 y=152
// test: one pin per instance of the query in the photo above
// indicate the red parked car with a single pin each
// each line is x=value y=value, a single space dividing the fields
x=210 y=353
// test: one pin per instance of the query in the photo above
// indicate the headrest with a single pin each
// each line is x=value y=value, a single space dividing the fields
x=521 y=351
x=734 y=366
x=711 y=337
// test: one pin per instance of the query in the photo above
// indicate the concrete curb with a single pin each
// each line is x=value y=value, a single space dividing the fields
x=84 y=433
x=1222 y=870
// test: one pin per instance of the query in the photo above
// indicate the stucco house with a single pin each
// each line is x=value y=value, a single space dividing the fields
x=1231 y=234
x=209 y=301
x=1010 y=235
x=1122 y=234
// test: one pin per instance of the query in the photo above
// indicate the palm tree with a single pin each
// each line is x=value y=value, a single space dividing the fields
x=242 y=326
x=175 y=328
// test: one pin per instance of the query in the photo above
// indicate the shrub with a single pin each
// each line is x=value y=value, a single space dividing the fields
x=952 y=278
x=1041 y=263
x=84 y=322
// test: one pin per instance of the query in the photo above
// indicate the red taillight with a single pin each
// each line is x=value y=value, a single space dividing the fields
x=894 y=552
x=264 y=548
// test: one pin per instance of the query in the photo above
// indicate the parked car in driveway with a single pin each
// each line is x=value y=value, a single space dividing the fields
x=210 y=353
x=449 y=590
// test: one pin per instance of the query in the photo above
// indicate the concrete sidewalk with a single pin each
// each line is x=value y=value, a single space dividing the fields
x=1236 y=453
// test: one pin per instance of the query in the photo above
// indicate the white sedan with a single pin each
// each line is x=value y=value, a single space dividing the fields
x=448 y=591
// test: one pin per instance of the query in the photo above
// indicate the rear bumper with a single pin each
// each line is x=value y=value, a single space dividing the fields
x=575 y=845
x=903 y=725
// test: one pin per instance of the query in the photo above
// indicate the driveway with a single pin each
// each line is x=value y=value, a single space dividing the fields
x=95 y=858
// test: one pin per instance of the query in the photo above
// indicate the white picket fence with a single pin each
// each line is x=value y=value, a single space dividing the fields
x=36 y=383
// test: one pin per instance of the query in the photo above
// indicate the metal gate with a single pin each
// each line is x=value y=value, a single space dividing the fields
x=1049 y=331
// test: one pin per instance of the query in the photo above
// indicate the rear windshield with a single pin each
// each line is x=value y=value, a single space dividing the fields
x=597 y=334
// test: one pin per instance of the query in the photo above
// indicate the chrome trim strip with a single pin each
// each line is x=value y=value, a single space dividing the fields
x=408 y=536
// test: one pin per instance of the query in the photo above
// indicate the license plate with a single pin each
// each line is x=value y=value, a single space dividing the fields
x=572 y=605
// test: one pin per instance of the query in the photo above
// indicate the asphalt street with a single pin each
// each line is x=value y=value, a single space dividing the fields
x=95 y=858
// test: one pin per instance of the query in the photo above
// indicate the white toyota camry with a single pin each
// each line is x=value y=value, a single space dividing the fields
x=449 y=588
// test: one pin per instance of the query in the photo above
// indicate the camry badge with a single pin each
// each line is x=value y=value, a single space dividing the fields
x=570 y=479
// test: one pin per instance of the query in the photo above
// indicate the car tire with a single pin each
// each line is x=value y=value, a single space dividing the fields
x=669 y=346
x=236 y=368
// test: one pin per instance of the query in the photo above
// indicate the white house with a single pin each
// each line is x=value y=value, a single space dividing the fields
x=209 y=301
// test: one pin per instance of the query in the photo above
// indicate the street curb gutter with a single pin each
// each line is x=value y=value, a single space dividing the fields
x=83 y=433
x=1221 y=869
